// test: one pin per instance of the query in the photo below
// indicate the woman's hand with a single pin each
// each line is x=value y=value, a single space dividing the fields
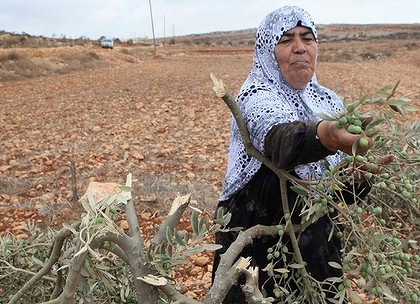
x=334 y=138
x=383 y=160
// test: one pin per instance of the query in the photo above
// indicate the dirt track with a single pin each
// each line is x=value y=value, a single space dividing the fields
x=154 y=116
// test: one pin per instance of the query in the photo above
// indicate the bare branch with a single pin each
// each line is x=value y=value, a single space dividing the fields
x=226 y=273
x=23 y=270
x=75 y=197
x=178 y=207
x=251 y=289
x=58 y=285
x=283 y=175
x=115 y=249
x=221 y=92
x=292 y=234
x=176 y=296
x=73 y=279
x=162 y=284
x=55 y=255
x=133 y=222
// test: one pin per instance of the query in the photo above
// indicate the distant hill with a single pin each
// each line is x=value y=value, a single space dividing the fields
x=246 y=37
x=330 y=32
x=14 y=40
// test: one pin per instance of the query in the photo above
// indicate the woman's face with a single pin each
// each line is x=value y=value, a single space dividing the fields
x=296 y=55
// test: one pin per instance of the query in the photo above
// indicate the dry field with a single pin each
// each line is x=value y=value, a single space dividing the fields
x=154 y=115
x=130 y=110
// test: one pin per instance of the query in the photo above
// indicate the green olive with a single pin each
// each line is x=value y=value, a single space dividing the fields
x=350 y=119
x=382 y=271
x=99 y=220
x=382 y=185
x=392 y=187
x=349 y=159
x=377 y=210
x=86 y=263
x=277 y=293
x=363 y=143
x=408 y=186
x=354 y=129
x=360 y=158
x=406 y=194
x=370 y=132
x=382 y=221
x=342 y=121
x=368 y=176
x=357 y=122
x=361 y=282
x=371 y=166
x=347 y=283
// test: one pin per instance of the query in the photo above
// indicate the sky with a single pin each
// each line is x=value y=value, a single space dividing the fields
x=132 y=19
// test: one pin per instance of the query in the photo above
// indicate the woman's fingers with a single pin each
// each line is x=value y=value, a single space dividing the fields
x=386 y=159
x=366 y=121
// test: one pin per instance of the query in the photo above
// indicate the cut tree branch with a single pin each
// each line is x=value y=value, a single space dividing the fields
x=177 y=210
x=54 y=256
x=283 y=175
x=226 y=273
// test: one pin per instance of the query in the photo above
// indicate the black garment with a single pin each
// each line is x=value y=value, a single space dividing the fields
x=259 y=202
x=291 y=144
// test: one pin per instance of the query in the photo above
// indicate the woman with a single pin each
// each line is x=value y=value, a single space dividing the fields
x=280 y=102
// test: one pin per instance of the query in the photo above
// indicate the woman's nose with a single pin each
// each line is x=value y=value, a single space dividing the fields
x=298 y=46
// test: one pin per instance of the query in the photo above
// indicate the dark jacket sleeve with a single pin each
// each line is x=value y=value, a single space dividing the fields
x=291 y=144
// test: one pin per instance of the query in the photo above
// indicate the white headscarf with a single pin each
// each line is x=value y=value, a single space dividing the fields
x=266 y=100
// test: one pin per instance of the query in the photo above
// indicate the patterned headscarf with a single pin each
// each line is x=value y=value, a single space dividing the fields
x=266 y=99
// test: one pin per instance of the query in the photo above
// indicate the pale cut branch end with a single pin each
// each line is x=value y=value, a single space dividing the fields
x=153 y=280
x=218 y=86
x=178 y=202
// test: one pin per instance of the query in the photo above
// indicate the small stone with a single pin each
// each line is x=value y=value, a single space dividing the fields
x=196 y=270
x=191 y=294
x=124 y=224
x=96 y=129
x=145 y=215
x=201 y=261
x=138 y=155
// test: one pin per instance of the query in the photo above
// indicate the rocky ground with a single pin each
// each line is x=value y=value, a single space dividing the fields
x=151 y=114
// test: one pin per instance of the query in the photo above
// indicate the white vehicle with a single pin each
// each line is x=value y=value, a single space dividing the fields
x=107 y=43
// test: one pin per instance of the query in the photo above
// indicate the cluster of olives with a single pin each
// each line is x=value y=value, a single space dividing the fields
x=381 y=268
x=354 y=124
x=404 y=187
x=275 y=252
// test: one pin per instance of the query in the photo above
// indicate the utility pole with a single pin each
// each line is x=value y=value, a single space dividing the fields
x=153 y=28
x=164 y=36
